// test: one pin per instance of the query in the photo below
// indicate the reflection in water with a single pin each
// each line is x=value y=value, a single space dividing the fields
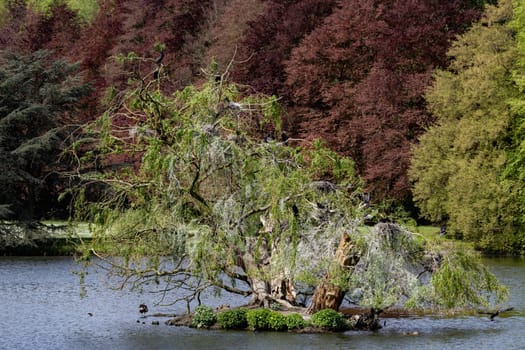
x=42 y=309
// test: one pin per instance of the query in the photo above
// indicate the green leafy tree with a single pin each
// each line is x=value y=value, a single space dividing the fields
x=37 y=96
x=458 y=165
x=211 y=204
x=210 y=192
x=515 y=167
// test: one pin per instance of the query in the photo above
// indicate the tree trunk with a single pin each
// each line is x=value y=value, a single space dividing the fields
x=280 y=289
x=327 y=295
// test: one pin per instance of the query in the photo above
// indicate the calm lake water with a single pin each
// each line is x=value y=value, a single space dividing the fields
x=41 y=308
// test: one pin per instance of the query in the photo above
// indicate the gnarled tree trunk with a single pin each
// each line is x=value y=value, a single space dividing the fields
x=279 y=289
x=327 y=295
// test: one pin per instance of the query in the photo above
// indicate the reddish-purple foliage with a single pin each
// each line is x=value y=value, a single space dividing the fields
x=358 y=80
x=172 y=23
x=15 y=14
x=270 y=39
x=351 y=72
x=98 y=39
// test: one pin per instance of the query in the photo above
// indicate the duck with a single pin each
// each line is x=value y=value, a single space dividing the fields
x=143 y=308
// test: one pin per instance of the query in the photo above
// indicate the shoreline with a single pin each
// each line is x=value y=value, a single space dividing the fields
x=41 y=238
x=47 y=246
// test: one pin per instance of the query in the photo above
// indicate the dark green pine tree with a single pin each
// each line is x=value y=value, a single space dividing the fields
x=37 y=98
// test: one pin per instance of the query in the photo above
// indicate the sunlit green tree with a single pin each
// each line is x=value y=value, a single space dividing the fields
x=458 y=165
x=515 y=168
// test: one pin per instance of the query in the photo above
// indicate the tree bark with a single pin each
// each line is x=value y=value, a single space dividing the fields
x=279 y=289
x=327 y=295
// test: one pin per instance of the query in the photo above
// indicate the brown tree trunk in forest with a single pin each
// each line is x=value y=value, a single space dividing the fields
x=327 y=295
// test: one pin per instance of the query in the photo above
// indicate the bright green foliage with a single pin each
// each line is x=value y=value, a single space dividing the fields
x=457 y=167
x=211 y=192
x=515 y=168
x=204 y=317
x=517 y=24
x=232 y=319
x=295 y=321
x=268 y=319
x=329 y=319
x=36 y=94
x=258 y=319
x=86 y=9
x=454 y=285
x=277 y=321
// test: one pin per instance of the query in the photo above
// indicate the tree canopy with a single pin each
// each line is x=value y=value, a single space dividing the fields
x=459 y=165
x=217 y=185
x=370 y=61
x=37 y=97
x=201 y=190
x=516 y=162
x=358 y=79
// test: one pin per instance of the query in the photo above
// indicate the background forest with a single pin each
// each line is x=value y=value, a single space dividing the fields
x=425 y=96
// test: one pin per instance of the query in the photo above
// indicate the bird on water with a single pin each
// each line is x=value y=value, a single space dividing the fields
x=143 y=308
x=497 y=312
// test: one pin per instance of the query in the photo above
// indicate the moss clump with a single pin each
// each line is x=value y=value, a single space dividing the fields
x=329 y=319
x=232 y=319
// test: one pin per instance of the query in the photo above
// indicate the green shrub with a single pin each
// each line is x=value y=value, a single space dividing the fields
x=329 y=319
x=258 y=319
x=277 y=321
x=232 y=319
x=295 y=321
x=204 y=317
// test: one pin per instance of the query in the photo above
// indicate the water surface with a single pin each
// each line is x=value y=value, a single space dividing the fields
x=42 y=309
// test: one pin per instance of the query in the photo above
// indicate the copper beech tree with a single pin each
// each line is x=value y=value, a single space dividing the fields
x=351 y=73
x=358 y=78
